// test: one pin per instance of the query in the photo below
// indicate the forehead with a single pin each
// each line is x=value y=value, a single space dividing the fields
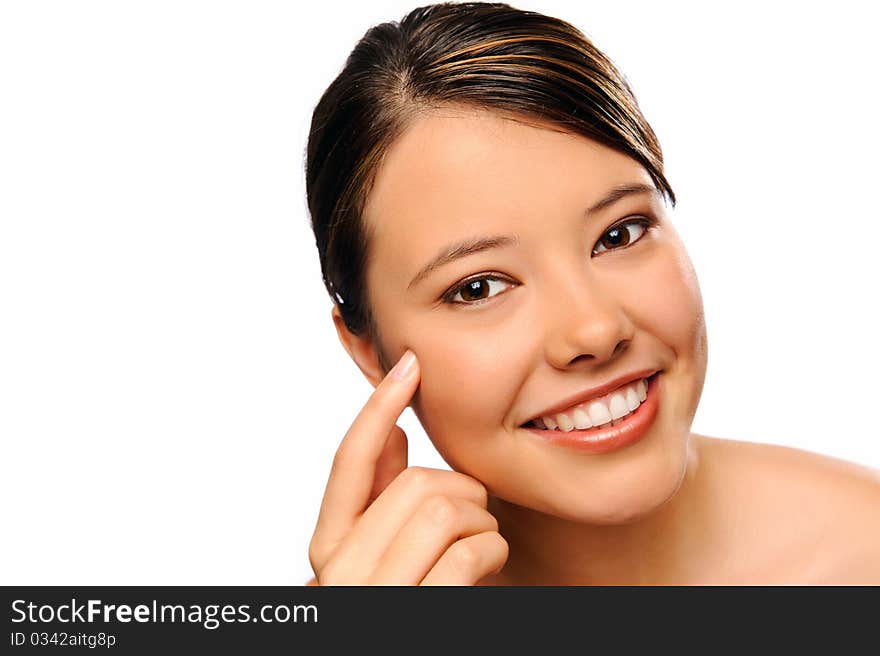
x=456 y=173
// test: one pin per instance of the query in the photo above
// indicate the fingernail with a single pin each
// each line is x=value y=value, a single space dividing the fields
x=404 y=366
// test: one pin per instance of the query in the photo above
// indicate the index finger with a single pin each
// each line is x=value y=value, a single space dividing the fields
x=354 y=467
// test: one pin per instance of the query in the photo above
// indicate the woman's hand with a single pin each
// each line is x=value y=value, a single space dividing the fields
x=383 y=523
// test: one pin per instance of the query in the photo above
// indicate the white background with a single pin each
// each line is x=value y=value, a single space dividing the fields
x=171 y=387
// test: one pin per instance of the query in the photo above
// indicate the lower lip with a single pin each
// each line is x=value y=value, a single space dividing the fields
x=610 y=438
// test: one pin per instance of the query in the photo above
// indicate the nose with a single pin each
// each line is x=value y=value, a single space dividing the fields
x=585 y=322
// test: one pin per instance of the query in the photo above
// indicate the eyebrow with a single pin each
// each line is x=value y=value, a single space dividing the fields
x=462 y=249
x=622 y=191
x=471 y=246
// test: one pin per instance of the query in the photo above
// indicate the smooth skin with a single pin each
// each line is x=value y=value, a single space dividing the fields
x=382 y=522
x=564 y=309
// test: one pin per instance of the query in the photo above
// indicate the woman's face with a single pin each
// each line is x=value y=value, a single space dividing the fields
x=558 y=308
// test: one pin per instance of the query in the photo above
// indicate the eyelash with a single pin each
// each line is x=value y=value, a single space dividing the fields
x=645 y=222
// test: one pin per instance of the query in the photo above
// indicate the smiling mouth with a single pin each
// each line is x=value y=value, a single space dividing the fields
x=608 y=410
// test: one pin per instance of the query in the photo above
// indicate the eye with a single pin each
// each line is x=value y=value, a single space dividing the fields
x=619 y=235
x=476 y=290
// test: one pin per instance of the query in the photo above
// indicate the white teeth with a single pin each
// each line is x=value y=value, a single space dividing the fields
x=582 y=419
x=618 y=406
x=599 y=413
x=565 y=423
x=632 y=399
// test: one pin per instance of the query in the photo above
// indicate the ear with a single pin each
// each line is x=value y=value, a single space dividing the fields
x=360 y=348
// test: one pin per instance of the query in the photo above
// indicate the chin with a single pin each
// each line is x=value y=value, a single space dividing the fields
x=624 y=494
x=628 y=507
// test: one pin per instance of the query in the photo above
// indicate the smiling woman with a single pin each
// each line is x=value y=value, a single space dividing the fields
x=491 y=213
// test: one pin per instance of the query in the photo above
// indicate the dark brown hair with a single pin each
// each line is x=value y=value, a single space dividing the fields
x=483 y=55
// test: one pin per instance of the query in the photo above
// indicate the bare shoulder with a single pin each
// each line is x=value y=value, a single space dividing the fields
x=822 y=511
x=797 y=466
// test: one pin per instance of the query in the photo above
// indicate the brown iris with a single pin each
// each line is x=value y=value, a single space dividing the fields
x=475 y=290
x=615 y=237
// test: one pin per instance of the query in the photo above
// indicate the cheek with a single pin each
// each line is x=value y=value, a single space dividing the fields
x=462 y=387
x=468 y=384
x=668 y=304
x=670 y=309
x=662 y=297
x=460 y=391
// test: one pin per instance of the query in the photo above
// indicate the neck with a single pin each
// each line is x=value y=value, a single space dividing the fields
x=671 y=545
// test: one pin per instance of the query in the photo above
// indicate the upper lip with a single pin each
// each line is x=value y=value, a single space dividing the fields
x=594 y=392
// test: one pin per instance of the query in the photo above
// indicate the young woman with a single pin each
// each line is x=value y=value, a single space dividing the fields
x=491 y=214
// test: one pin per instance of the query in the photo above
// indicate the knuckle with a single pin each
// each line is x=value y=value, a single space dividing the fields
x=440 y=509
x=319 y=554
x=482 y=491
x=479 y=489
x=500 y=544
x=415 y=478
x=342 y=456
x=316 y=552
x=465 y=555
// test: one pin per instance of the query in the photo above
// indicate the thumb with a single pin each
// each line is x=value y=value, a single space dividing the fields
x=391 y=462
